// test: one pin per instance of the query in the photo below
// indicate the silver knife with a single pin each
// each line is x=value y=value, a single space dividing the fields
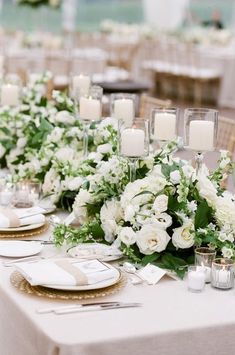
x=46 y=242
x=97 y=308
x=76 y=305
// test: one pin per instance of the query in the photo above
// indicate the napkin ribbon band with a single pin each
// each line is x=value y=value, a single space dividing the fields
x=79 y=276
x=14 y=220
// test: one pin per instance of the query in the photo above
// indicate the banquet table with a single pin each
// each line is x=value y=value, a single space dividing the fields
x=172 y=321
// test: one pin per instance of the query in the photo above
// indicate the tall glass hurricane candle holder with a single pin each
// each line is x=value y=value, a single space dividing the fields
x=203 y=258
x=200 y=126
x=10 y=92
x=222 y=275
x=122 y=107
x=164 y=125
x=90 y=111
x=134 y=142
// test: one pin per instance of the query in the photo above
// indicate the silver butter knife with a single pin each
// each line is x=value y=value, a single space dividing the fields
x=97 y=308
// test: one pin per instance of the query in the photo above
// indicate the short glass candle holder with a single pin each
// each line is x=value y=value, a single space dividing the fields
x=164 y=125
x=27 y=194
x=134 y=142
x=6 y=195
x=196 y=279
x=204 y=257
x=222 y=274
x=122 y=107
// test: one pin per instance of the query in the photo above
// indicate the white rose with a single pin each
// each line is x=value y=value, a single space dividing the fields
x=130 y=212
x=151 y=239
x=175 y=177
x=127 y=236
x=162 y=220
x=160 y=204
x=183 y=237
x=105 y=148
x=227 y=252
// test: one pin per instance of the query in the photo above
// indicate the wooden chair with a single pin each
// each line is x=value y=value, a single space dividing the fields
x=226 y=134
x=147 y=103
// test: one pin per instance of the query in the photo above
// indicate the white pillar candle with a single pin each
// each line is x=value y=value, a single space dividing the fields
x=164 y=126
x=132 y=142
x=90 y=109
x=5 y=197
x=124 y=109
x=10 y=95
x=196 y=280
x=201 y=135
x=207 y=271
x=223 y=276
x=82 y=83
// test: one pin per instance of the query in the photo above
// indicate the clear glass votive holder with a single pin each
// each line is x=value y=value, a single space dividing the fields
x=122 y=107
x=204 y=257
x=222 y=273
x=164 y=125
x=196 y=279
x=27 y=194
x=6 y=195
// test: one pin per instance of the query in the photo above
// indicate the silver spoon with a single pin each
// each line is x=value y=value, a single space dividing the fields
x=131 y=269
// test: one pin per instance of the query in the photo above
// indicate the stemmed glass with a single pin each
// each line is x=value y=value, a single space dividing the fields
x=122 y=106
x=90 y=111
x=134 y=142
x=79 y=85
x=164 y=125
x=200 y=125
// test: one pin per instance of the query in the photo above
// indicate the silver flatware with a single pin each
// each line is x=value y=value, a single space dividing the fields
x=45 y=242
x=71 y=306
x=97 y=308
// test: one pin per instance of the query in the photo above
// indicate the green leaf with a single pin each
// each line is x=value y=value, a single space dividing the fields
x=144 y=193
x=148 y=259
x=96 y=231
x=203 y=215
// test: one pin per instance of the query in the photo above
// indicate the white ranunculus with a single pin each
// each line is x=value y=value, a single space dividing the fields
x=151 y=239
x=162 y=220
x=64 y=154
x=127 y=236
x=225 y=212
x=175 y=177
x=64 y=117
x=206 y=189
x=160 y=204
x=105 y=148
x=183 y=237
x=227 y=252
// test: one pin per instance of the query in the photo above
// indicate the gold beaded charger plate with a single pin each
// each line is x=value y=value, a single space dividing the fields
x=24 y=233
x=20 y=283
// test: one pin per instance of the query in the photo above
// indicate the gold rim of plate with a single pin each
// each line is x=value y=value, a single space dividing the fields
x=21 y=284
x=27 y=233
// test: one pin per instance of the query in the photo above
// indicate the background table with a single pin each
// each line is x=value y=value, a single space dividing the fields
x=172 y=321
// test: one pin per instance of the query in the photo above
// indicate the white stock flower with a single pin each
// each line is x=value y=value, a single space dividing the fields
x=227 y=252
x=127 y=236
x=55 y=135
x=64 y=154
x=160 y=204
x=151 y=239
x=72 y=183
x=223 y=236
x=64 y=117
x=21 y=143
x=183 y=237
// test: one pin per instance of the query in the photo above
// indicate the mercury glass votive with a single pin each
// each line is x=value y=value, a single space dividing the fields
x=26 y=194
x=222 y=273
x=203 y=258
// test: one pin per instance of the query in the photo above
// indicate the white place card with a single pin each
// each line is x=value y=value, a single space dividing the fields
x=152 y=274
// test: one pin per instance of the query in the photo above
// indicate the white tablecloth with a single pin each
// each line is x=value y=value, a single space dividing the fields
x=172 y=321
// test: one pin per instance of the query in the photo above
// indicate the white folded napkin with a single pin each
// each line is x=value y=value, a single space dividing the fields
x=66 y=272
x=17 y=217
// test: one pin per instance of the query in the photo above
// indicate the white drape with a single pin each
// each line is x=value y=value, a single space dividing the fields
x=165 y=14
